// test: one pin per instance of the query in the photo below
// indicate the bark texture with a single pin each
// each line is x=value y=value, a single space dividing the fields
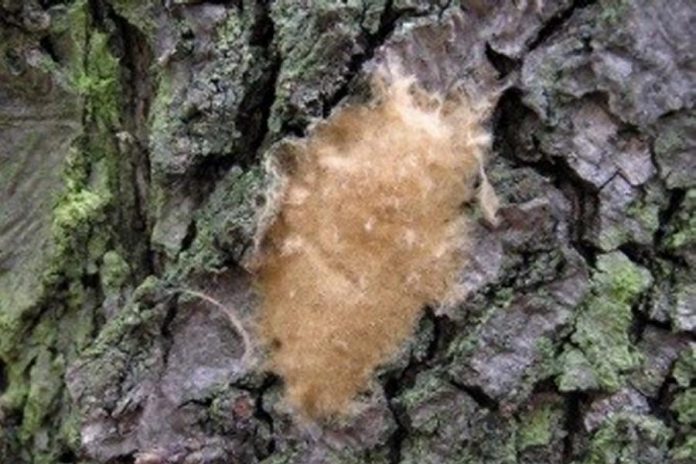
x=131 y=140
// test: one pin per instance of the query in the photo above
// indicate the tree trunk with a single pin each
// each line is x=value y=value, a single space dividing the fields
x=133 y=136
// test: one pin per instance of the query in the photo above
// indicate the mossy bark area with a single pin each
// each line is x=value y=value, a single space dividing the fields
x=132 y=138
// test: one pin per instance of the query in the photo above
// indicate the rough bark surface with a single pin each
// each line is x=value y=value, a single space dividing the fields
x=131 y=140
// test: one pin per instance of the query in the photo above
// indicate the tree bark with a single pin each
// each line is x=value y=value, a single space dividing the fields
x=133 y=136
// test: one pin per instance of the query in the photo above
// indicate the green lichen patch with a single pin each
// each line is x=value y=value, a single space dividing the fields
x=682 y=229
x=283 y=457
x=684 y=370
x=126 y=350
x=674 y=149
x=115 y=271
x=45 y=386
x=14 y=397
x=629 y=220
x=426 y=418
x=226 y=225
x=140 y=13
x=80 y=234
x=98 y=82
x=601 y=351
x=613 y=12
x=684 y=405
x=447 y=425
x=91 y=169
x=685 y=452
x=538 y=426
x=74 y=218
x=673 y=296
x=216 y=112
x=89 y=69
x=316 y=46
x=630 y=438
x=142 y=313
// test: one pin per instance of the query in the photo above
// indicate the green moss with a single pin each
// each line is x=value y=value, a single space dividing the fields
x=463 y=346
x=231 y=34
x=503 y=297
x=75 y=328
x=447 y=425
x=14 y=397
x=37 y=349
x=73 y=223
x=603 y=351
x=684 y=405
x=421 y=401
x=36 y=386
x=91 y=70
x=686 y=452
x=70 y=430
x=148 y=289
x=77 y=210
x=91 y=167
x=114 y=271
x=239 y=65
x=44 y=390
x=98 y=81
x=11 y=326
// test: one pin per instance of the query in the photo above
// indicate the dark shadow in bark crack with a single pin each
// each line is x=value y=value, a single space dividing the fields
x=392 y=387
x=521 y=148
x=477 y=394
x=573 y=423
x=387 y=23
x=556 y=23
x=502 y=63
x=3 y=377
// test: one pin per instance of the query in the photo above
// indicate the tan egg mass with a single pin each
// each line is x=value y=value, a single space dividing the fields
x=370 y=229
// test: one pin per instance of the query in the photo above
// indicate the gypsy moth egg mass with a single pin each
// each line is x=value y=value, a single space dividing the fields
x=355 y=253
